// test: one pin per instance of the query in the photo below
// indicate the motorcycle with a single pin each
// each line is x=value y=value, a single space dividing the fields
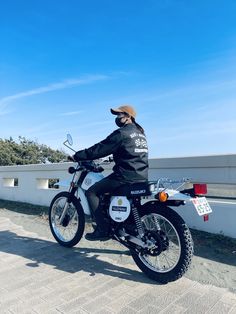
x=141 y=217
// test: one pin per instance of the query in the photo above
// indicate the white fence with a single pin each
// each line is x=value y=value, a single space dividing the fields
x=31 y=184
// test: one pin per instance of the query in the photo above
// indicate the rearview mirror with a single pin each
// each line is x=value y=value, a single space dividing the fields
x=69 y=142
x=69 y=139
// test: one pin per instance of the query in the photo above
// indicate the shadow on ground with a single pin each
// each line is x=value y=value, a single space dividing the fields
x=218 y=248
x=72 y=260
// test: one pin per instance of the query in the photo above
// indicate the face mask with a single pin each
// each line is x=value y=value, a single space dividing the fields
x=119 y=123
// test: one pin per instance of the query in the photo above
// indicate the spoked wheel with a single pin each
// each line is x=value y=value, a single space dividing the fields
x=69 y=229
x=169 y=245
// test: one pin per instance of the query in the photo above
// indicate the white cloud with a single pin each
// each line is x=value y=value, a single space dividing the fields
x=52 y=87
x=3 y=110
x=72 y=113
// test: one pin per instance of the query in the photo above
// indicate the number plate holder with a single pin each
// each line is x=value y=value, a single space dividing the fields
x=201 y=205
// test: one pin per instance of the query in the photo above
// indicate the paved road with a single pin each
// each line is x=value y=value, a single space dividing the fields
x=39 y=276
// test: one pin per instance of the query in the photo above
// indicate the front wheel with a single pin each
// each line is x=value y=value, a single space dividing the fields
x=69 y=230
x=170 y=245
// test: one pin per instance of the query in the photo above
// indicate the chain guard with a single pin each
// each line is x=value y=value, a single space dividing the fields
x=155 y=242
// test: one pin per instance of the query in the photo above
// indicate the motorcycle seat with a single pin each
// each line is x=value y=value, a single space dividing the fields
x=133 y=190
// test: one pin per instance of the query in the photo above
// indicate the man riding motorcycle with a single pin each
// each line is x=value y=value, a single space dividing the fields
x=130 y=153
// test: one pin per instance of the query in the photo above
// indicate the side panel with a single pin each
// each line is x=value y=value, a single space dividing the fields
x=119 y=209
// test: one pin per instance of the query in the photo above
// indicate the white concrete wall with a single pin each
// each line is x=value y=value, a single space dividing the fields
x=32 y=187
x=221 y=221
x=206 y=169
x=32 y=182
x=218 y=170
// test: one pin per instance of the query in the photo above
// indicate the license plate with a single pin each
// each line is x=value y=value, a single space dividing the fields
x=202 y=206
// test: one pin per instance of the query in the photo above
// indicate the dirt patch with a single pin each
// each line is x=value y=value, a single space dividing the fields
x=24 y=208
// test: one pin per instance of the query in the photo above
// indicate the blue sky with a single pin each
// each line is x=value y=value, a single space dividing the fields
x=64 y=64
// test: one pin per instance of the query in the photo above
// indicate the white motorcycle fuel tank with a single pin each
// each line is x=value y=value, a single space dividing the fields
x=90 y=179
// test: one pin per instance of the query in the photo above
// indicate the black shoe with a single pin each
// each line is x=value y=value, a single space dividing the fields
x=94 y=226
x=97 y=235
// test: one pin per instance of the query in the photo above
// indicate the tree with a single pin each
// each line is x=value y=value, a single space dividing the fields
x=27 y=151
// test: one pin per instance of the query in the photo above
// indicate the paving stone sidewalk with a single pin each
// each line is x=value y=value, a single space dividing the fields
x=39 y=276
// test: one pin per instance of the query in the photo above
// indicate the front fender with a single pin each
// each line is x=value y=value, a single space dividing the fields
x=84 y=202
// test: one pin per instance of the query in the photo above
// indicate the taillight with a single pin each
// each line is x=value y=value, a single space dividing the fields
x=200 y=189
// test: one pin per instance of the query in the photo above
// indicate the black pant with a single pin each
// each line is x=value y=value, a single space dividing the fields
x=108 y=184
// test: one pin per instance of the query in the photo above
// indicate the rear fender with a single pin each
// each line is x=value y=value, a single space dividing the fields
x=152 y=204
x=156 y=203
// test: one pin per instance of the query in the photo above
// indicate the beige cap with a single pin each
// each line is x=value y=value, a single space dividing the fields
x=124 y=109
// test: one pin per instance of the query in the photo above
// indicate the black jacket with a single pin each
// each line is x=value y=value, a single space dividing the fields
x=130 y=152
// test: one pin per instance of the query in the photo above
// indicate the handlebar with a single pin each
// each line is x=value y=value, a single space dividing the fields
x=86 y=165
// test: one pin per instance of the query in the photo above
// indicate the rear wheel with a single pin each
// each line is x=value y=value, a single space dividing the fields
x=69 y=231
x=170 y=246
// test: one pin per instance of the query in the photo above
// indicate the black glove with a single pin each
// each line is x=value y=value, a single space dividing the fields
x=71 y=158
